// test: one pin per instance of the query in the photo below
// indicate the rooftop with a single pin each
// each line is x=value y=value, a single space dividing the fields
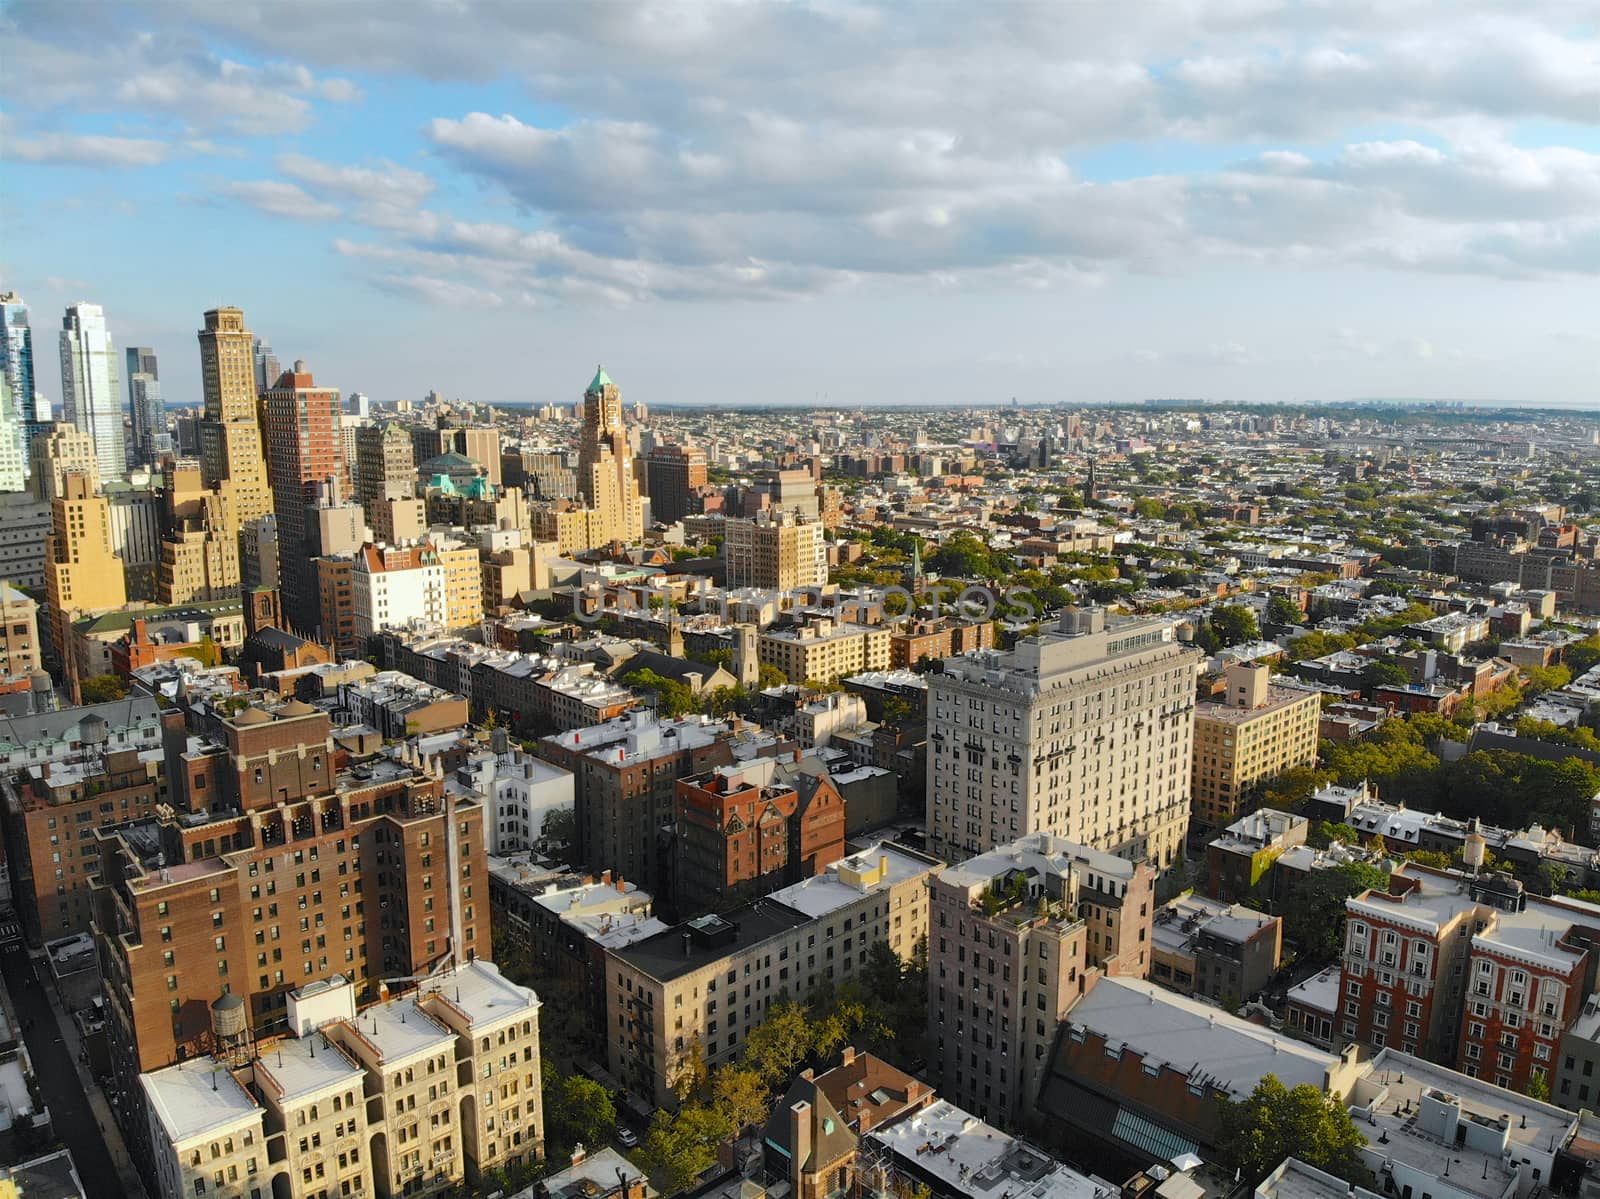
x=1320 y=992
x=1196 y=1039
x=1278 y=698
x=197 y=1098
x=484 y=996
x=400 y=1030
x=300 y=1067
x=970 y=1157
x=685 y=948
x=878 y=867
x=596 y=1174
x=1388 y=1106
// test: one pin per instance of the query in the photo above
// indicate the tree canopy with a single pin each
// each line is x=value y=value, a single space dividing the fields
x=1276 y=1122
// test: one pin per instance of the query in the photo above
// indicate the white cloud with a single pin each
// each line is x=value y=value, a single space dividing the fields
x=88 y=150
x=280 y=199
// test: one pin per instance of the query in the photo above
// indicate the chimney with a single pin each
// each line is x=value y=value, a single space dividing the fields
x=799 y=1142
x=622 y=885
x=605 y=878
x=847 y=1055
x=578 y=1154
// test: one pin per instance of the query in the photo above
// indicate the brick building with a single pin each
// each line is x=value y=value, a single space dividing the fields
x=1256 y=732
x=625 y=774
x=739 y=833
x=1014 y=935
x=1469 y=971
x=273 y=868
x=938 y=638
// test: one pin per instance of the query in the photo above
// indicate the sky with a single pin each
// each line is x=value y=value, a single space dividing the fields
x=1078 y=201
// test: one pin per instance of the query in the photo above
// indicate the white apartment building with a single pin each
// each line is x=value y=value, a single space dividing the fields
x=391 y=591
x=410 y=1096
x=1013 y=935
x=1086 y=732
x=521 y=791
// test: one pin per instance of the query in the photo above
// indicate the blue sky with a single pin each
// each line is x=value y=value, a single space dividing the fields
x=1248 y=200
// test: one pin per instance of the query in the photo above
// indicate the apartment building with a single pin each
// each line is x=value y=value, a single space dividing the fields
x=20 y=652
x=1221 y=951
x=410 y=1096
x=672 y=473
x=824 y=650
x=625 y=774
x=1467 y=970
x=937 y=638
x=739 y=832
x=1253 y=734
x=696 y=989
x=1013 y=936
x=53 y=810
x=272 y=868
x=395 y=586
x=779 y=552
x=1083 y=732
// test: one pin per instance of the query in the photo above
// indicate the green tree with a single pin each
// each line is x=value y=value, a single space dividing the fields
x=1314 y=912
x=1583 y=655
x=1232 y=624
x=578 y=1110
x=1290 y=791
x=1539 y=1088
x=1325 y=833
x=779 y=1043
x=1429 y=857
x=741 y=1095
x=680 y=1147
x=102 y=689
x=672 y=697
x=1282 y=610
x=768 y=675
x=1377 y=674
x=1276 y=1122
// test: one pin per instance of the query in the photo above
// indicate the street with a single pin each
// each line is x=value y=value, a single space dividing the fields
x=75 y=1121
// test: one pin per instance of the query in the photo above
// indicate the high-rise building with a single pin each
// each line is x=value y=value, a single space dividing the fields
x=1083 y=732
x=264 y=364
x=90 y=392
x=200 y=551
x=18 y=391
x=1012 y=937
x=377 y=873
x=386 y=466
x=305 y=449
x=395 y=586
x=82 y=573
x=780 y=552
x=671 y=473
x=1254 y=733
x=481 y=443
x=136 y=535
x=230 y=429
x=149 y=413
x=605 y=464
x=58 y=450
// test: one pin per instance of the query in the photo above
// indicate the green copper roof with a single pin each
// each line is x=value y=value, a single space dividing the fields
x=601 y=379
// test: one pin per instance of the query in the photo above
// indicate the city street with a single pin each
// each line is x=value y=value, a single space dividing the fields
x=75 y=1121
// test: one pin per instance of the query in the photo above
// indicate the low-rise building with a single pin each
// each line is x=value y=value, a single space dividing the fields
x=824 y=650
x=399 y=706
x=1221 y=951
x=1237 y=859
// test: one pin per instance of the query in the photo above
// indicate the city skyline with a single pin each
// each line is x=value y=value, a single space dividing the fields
x=1227 y=201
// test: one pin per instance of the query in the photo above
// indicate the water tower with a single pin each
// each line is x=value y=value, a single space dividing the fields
x=230 y=1028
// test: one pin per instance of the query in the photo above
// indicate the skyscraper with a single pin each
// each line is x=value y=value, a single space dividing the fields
x=386 y=466
x=230 y=432
x=150 y=436
x=266 y=364
x=305 y=447
x=90 y=392
x=1084 y=732
x=16 y=368
x=605 y=464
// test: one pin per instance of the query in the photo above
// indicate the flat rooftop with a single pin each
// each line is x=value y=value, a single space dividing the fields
x=196 y=1098
x=828 y=892
x=300 y=1067
x=973 y=1158
x=677 y=951
x=1278 y=698
x=1196 y=1039
x=483 y=995
x=1386 y=1107
x=1320 y=992
x=400 y=1030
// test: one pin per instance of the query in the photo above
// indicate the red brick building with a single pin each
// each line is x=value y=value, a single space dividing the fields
x=273 y=869
x=1469 y=971
x=938 y=638
x=304 y=442
x=740 y=834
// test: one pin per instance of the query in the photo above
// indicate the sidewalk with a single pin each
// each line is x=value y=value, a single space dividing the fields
x=132 y=1186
